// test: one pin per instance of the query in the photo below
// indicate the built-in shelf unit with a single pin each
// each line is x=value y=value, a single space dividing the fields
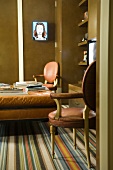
x=84 y=26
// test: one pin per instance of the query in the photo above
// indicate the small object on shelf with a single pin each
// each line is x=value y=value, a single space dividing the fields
x=84 y=61
x=83 y=39
x=85 y=56
x=85 y=15
x=86 y=36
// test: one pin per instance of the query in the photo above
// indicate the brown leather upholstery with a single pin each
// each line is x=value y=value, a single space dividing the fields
x=35 y=106
x=72 y=117
x=50 y=71
x=89 y=86
x=50 y=75
x=27 y=101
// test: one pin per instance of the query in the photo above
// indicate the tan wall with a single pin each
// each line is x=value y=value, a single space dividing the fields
x=8 y=41
x=37 y=54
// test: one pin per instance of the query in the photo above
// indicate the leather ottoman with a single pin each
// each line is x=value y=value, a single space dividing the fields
x=36 y=105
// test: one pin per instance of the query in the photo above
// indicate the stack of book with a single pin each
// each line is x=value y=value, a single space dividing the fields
x=34 y=88
x=30 y=86
x=22 y=87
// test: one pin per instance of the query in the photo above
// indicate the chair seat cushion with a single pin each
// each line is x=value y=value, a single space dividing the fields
x=72 y=117
x=50 y=86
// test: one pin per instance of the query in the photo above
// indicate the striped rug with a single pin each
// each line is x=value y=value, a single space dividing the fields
x=26 y=145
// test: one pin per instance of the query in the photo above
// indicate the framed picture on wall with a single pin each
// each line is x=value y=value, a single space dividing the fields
x=40 y=30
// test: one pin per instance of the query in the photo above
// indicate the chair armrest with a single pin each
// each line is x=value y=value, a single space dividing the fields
x=66 y=95
x=40 y=75
x=58 y=96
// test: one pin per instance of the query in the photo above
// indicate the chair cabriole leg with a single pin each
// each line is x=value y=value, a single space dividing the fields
x=86 y=134
x=86 y=138
x=74 y=137
x=52 y=131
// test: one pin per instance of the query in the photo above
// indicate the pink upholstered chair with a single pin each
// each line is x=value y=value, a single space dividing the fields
x=50 y=75
x=76 y=117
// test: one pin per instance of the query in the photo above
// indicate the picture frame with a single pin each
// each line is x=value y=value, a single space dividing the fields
x=40 y=30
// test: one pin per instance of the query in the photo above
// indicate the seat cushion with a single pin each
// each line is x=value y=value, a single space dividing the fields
x=72 y=117
x=50 y=86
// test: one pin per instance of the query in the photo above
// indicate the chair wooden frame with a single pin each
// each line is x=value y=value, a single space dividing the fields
x=88 y=108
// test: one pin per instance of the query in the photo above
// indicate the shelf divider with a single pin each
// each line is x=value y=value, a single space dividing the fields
x=82 y=43
x=82 y=2
x=82 y=63
x=83 y=22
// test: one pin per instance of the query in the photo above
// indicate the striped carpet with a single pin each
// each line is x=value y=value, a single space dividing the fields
x=26 y=145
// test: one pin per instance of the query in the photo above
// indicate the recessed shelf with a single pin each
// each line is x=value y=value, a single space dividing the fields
x=84 y=26
x=83 y=22
x=82 y=43
x=82 y=63
x=82 y=2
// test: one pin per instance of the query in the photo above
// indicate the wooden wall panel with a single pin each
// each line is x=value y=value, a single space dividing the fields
x=92 y=19
x=37 y=54
x=8 y=41
x=58 y=37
